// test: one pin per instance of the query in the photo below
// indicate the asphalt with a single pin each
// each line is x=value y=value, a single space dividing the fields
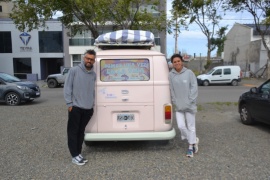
x=252 y=82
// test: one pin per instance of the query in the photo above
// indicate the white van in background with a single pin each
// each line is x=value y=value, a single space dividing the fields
x=132 y=92
x=221 y=75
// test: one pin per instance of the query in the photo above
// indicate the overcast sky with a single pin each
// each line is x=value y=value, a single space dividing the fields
x=194 y=41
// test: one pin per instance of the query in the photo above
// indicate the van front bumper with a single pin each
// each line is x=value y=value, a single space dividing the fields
x=131 y=136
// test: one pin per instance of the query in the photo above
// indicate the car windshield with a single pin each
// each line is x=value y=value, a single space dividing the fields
x=9 y=78
x=210 y=72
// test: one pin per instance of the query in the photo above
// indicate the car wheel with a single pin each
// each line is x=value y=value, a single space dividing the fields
x=206 y=83
x=245 y=115
x=52 y=83
x=234 y=83
x=12 y=99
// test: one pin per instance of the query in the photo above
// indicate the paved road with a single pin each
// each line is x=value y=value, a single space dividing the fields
x=33 y=146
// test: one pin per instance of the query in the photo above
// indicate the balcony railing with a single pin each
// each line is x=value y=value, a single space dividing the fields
x=91 y=41
x=81 y=42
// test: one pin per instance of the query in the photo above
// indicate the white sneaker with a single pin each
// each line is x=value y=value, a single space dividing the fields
x=78 y=161
x=196 y=146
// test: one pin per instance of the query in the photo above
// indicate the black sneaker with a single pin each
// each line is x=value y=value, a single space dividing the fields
x=83 y=159
x=78 y=161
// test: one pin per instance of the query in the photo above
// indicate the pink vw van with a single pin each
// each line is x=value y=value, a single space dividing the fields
x=132 y=94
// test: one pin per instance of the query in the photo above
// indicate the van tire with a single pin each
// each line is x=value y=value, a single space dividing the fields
x=234 y=82
x=205 y=83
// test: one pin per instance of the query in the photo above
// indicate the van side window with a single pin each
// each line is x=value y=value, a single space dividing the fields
x=115 y=70
x=227 y=71
x=218 y=72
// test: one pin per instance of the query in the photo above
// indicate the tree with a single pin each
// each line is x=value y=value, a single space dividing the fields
x=205 y=14
x=260 y=10
x=219 y=41
x=90 y=14
x=175 y=23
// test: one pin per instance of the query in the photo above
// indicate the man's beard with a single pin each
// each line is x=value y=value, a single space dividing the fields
x=88 y=67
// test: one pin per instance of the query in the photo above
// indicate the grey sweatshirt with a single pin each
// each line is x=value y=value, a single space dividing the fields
x=184 y=90
x=79 y=88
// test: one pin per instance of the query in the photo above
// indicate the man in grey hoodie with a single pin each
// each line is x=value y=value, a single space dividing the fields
x=184 y=92
x=79 y=94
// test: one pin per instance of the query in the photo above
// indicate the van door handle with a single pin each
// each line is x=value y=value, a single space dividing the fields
x=124 y=98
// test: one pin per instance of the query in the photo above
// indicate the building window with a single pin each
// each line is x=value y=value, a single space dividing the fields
x=77 y=59
x=5 y=42
x=50 y=42
x=22 y=67
x=1 y=9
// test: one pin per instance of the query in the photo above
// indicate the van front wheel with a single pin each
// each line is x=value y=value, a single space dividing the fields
x=206 y=83
x=234 y=83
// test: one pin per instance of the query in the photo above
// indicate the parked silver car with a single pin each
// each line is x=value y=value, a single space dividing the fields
x=13 y=91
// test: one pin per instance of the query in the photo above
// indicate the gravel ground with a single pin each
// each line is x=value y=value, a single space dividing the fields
x=33 y=146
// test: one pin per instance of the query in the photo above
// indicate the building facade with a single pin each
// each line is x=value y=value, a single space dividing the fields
x=39 y=52
x=243 y=47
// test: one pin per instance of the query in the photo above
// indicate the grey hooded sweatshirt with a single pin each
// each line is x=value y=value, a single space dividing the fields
x=79 y=88
x=184 y=90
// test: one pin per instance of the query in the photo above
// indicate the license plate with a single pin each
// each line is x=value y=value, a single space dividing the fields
x=125 y=117
x=37 y=93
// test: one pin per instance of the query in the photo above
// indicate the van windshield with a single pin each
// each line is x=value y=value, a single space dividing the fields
x=210 y=72
x=124 y=70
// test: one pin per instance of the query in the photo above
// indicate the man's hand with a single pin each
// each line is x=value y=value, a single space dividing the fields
x=69 y=109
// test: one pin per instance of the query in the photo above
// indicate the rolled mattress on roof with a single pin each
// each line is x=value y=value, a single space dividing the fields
x=126 y=37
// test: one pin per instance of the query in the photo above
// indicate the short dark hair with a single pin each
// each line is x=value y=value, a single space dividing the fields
x=176 y=55
x=90 y=51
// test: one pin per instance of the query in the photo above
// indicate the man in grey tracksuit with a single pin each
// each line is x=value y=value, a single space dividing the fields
x=79 y=94
x=184 y=92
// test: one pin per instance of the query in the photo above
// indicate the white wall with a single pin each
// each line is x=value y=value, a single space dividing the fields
x=6 y=59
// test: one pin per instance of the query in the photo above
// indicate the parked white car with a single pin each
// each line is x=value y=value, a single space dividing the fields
x=221 y=75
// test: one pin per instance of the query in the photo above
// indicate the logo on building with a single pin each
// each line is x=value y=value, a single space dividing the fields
x=25 y=38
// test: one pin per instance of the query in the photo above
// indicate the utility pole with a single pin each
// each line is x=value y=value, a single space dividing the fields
x=176 y=37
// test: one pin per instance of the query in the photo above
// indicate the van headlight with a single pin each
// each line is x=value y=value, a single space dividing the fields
x=24 y=88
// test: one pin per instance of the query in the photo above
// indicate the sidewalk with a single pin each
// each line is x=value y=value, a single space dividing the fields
x=41 y=83
x=252 y=82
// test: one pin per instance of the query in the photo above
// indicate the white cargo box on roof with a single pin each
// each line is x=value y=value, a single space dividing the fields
x=126 y=38
x=132 y=90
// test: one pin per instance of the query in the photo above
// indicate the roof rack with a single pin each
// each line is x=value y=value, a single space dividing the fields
x=126 y=39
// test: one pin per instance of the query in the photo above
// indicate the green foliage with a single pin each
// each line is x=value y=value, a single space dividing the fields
x=205 y=14
x=208 y=63
x=90 y=14
x=219 y=40
x=196 y=73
